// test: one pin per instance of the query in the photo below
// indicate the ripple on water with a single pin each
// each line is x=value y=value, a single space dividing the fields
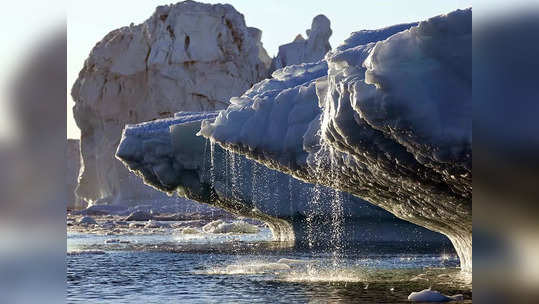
x=156 y=269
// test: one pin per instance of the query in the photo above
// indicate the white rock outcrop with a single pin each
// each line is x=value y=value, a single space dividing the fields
x=188 y=56
x=303 y=50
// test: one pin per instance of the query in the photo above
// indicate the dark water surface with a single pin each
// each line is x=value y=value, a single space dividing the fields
x=165 y=269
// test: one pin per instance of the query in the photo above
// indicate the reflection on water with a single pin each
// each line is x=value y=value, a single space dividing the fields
x=241 y=268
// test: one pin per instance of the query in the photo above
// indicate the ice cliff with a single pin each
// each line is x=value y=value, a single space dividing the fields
x=303 y=50
x=72 y=173
x=187 y=56
x=169 y=156
x=386 y=117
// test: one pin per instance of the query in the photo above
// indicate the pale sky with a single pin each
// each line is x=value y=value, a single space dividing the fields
x=279 y=20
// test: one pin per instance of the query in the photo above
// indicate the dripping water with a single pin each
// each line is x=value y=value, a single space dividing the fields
x=212 y=172
x=337 y=212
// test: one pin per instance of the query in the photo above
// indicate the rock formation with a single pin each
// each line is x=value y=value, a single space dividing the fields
x=187 y=56
x=391 y=123
x=303 y=50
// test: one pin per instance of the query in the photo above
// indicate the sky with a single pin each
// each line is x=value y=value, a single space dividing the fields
x=280 y=21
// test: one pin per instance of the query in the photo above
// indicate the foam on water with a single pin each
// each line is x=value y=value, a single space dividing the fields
x=290 y=270
x=313 y=274
x=249 y=267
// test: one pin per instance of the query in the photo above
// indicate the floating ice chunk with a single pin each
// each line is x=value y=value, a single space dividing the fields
x=428 y=295
x=209 y=227
x=139 y=216
x=220 y=226
x=155 y=224
x=136 y=225
x=108 y=225
x=86 y=220
x=190 y=230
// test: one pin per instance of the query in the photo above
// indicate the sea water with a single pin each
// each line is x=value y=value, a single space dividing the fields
x=247 y=268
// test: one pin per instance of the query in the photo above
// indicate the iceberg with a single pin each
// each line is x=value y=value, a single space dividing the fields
x=187 y=56
x=169 y=156
x=385 y=117
x=390 y=122
x=72 y=174
x=303 y=50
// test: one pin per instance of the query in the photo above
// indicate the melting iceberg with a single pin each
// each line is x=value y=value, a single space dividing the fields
x=170 y=157
x=384 y=117
x=390 y=122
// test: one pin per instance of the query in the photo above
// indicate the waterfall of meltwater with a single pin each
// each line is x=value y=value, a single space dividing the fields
x=337 y=214
x=236 y=174
x=212 y=170
x=313 y=214
x=326 y=165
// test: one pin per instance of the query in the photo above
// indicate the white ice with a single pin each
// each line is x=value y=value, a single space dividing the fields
x=428 y=295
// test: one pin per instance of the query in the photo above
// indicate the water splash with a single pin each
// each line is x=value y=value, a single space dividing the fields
x=323 y=275
x=249 y=267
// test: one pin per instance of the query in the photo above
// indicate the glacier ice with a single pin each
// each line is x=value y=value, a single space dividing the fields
x=390 y=122
x=169 y=156
x=73 y=163
x=303 y=50
x=187 y=56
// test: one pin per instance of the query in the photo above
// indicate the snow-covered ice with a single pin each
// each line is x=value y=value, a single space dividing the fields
x=390 y=122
